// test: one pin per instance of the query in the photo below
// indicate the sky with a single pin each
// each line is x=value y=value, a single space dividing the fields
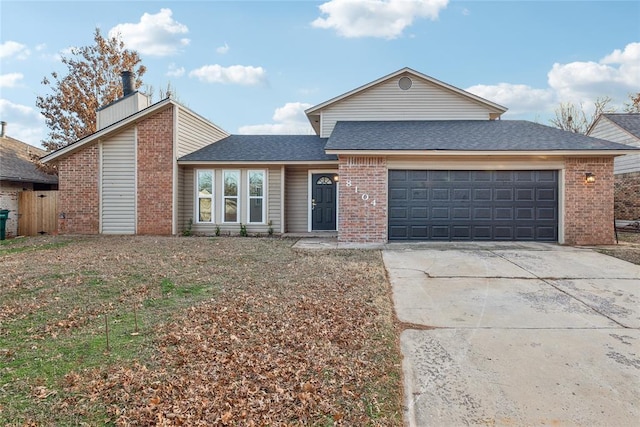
x=253 y=67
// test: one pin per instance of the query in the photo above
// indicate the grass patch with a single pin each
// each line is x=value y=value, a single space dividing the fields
x=226 y=323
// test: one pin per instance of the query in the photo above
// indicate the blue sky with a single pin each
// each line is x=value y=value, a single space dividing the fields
x=254 y=66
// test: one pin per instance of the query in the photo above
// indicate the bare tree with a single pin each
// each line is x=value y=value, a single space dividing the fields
x=634 y=105
x=573 y=117
x=93 y=80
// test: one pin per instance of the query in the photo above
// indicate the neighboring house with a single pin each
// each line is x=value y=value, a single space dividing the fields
x=405 y=157
x=18 y=173
x=623 y=128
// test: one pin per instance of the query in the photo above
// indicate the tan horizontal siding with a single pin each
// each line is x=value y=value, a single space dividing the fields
x=296 y=199
x=194 y=132
x=423 y=101
x=605 y=129
x=121 y=109
x=118 y=184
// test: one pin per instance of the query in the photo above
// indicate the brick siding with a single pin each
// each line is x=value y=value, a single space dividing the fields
x=588 y=216
x=9 y=194
x=78 y=197
x=155 y=174
x=363 y=213
x=627 y=196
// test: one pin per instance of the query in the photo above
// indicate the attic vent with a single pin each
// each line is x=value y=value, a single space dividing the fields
x=405 y=83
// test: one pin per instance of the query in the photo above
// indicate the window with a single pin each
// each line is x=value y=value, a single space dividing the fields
x=205 y=196
x=324 y=180
x=231 y=184
x=256 y=196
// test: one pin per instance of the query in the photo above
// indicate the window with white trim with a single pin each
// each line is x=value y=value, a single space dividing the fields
x=231 y=182
x=256 y=205
x=204 y=203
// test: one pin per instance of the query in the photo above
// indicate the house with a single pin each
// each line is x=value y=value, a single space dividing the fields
x=18 y=173
x=405 y=157
x=625 y=129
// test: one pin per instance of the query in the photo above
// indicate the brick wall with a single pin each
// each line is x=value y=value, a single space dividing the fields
x=627 y=196
x=155 y=174
x=9 y=200
x=78 y=198
x=588 y=217
x=362 y=199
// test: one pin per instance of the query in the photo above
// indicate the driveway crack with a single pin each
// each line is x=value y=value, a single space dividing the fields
x=550 y=283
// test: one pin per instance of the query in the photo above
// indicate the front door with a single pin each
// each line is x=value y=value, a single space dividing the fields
x=323 y=201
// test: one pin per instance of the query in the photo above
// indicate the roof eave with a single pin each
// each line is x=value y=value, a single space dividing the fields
x=317 y=108
x=102 y=133
x=257 y=162
x=504 y=153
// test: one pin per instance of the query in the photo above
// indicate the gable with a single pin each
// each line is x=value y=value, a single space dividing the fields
x=404 y=95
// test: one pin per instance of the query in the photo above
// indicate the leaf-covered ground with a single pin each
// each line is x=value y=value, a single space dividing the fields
x=202 y=331
x=627 y=249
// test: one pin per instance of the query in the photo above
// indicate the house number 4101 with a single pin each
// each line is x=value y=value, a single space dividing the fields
x=363 y=196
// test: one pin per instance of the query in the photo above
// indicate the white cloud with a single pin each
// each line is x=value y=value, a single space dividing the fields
x=41 y=47
x=14 y=49
x=23 y=122
x=290 y=120
x=175 y=71
x=581 y=82
x=518 y=98
x=155 y=35
x=615 y=75
x=375 y=18
x=223 y=49
x=10 y=80
x=235 y=74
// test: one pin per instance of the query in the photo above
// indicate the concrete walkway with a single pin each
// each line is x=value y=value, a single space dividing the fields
x=517 y=334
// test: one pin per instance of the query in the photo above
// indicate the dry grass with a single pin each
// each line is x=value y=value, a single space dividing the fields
x=202 y=331
x=627 y=249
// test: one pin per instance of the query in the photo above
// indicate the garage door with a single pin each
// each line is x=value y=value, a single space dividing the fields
x=473 y=205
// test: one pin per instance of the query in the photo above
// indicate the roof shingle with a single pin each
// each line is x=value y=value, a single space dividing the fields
x=16 y=164
x=263 y=148
x=627 y=121
x=460 y=135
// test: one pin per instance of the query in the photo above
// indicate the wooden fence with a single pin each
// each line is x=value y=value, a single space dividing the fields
x=37 y=212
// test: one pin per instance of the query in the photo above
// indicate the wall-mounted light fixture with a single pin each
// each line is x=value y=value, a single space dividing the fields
x=336 y=178
x=589 y=178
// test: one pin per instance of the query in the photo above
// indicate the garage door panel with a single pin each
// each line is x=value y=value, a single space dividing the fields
x=546 y=214
x=482 y=194
x=524 y=214
x=420 y=213
x=503 y=194
x=546 y=194
x=461 y=213
x=419 y=194
x=481 y=176
x=482 y=213
x=473 y=205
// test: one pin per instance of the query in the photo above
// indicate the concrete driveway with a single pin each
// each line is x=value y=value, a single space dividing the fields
x=517 y=334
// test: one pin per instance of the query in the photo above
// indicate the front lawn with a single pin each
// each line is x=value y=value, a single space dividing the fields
x=201 y=331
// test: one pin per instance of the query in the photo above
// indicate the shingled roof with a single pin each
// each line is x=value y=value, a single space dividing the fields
x=263 y=148
x=627 y=121
x=16 y=164
x=461 y=135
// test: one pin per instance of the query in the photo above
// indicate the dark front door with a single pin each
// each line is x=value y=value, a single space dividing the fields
x=323 y=201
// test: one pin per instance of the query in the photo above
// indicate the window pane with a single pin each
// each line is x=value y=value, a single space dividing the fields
x=256 y=180
x=255 y=210
x=204 y=182
x=231 y=210
x=231 y=184
x=205 y=210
